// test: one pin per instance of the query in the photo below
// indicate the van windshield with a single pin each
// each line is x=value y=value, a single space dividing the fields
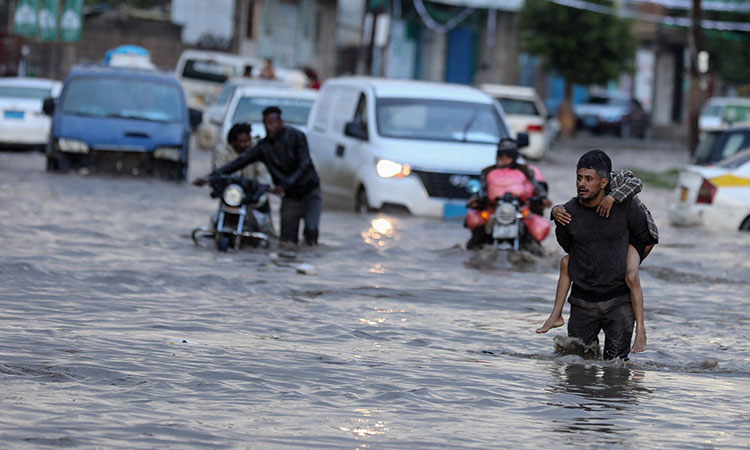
x=208 y=70
x=438 y=120
x=294 y=111
x=130 y=99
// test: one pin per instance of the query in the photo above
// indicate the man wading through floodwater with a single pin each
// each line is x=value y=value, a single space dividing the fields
x=597 y=247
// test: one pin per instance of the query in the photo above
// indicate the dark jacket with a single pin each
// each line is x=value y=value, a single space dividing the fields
x=287 y=158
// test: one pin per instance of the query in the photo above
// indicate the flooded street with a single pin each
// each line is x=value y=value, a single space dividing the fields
x=118 y=332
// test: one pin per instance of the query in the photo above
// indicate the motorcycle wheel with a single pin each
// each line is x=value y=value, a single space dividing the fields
x=222 y=244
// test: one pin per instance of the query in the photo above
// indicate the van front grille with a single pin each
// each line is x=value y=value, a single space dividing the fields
x=445 y=185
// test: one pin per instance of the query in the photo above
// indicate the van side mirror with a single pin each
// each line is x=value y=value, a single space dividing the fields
x=356 y=129
x=48 y=107
x=196 y=117
x=522 y=140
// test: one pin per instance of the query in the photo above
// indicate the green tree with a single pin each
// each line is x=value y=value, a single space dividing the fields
x=584 y=47
x=730 y=56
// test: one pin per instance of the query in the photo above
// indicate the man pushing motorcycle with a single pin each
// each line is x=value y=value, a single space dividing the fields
x=285 y=153
x=509 y=174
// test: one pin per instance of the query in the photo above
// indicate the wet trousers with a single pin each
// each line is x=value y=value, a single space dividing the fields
x=615 y=316
x=293 y=210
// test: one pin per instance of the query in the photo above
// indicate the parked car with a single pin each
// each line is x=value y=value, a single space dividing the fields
x=525 y=112
x=716 y=197
x=719 y=144
x=120 y=120
x=411 y=145
x=247 y=103
x=723 y=112
x=23 y=124
x=613 y=113
x=214 y=115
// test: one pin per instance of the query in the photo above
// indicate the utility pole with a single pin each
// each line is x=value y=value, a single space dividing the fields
x=695 y=40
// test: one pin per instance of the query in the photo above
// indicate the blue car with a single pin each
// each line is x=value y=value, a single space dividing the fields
x=118 y=120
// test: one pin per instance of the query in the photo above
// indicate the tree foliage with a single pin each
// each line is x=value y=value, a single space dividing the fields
x=730 y=56
x=584 y=47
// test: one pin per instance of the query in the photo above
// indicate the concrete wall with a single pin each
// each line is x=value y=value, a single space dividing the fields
x=499 y=56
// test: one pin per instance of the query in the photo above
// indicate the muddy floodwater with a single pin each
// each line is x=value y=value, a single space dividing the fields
x=117 y=332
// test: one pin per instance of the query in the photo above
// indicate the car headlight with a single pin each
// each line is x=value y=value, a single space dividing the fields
x=72 y=146
x=391 y=169
x=233 y=195
x=170 y=153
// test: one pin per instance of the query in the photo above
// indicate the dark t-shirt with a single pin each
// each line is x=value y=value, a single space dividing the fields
x=598 y=247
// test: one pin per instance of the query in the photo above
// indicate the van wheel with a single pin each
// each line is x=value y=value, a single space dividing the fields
x=745 y=224
x=360 y=203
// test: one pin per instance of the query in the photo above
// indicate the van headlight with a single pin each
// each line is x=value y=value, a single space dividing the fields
x=391 y=169
x=170 y=153
x=233 y=195
x=72 y=146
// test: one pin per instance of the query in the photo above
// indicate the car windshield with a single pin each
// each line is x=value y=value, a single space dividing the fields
x=208 y=70
x=124 y=98
x=24 y=92
x=438 y=120
x=294 y=111
x=737 y=160
x=731 y=142
x=705 y=146
x=711 y=110
x=517 y=106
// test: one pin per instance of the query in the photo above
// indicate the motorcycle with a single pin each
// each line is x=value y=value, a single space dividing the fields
x=237 y=223
x=507 y=215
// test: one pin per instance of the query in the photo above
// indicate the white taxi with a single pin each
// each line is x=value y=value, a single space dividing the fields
x=714 y=197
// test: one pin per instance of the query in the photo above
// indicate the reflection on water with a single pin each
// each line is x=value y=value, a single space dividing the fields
x=366 y=425
x=380 y=230
x=596 y=390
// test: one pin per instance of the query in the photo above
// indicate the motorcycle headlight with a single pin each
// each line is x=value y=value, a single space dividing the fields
x=505 y=213
x=170 y=153
x=72 y=146
x=233 y=195
x=391 y=169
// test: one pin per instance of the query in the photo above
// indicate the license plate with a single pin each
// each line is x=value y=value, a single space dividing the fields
x=683 y=194
x=505 y=231
x=13 y=114
x=590 y=121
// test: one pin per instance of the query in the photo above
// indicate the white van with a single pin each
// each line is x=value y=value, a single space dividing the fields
x=409 y=144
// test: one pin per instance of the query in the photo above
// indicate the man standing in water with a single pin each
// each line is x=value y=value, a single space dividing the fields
x=285 y=153
x=597 y=247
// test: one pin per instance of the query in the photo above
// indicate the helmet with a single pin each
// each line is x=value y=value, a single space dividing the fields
x=507 y=147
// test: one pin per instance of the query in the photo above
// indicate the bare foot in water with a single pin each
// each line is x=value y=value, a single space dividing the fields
x=552 y=322
x=640 y=341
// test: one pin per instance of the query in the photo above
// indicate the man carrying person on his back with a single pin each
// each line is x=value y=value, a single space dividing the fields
x=597 y=247
x=285 y=153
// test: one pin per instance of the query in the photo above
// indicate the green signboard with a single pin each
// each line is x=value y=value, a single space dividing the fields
x=48 y=20
x=25 y=18
x=70 y=21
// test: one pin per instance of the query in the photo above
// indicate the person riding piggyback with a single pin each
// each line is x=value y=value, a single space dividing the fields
x=508 y=175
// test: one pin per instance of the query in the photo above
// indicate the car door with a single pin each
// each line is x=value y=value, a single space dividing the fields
x=320 y=137
x=352 y=152
x=341 y=147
